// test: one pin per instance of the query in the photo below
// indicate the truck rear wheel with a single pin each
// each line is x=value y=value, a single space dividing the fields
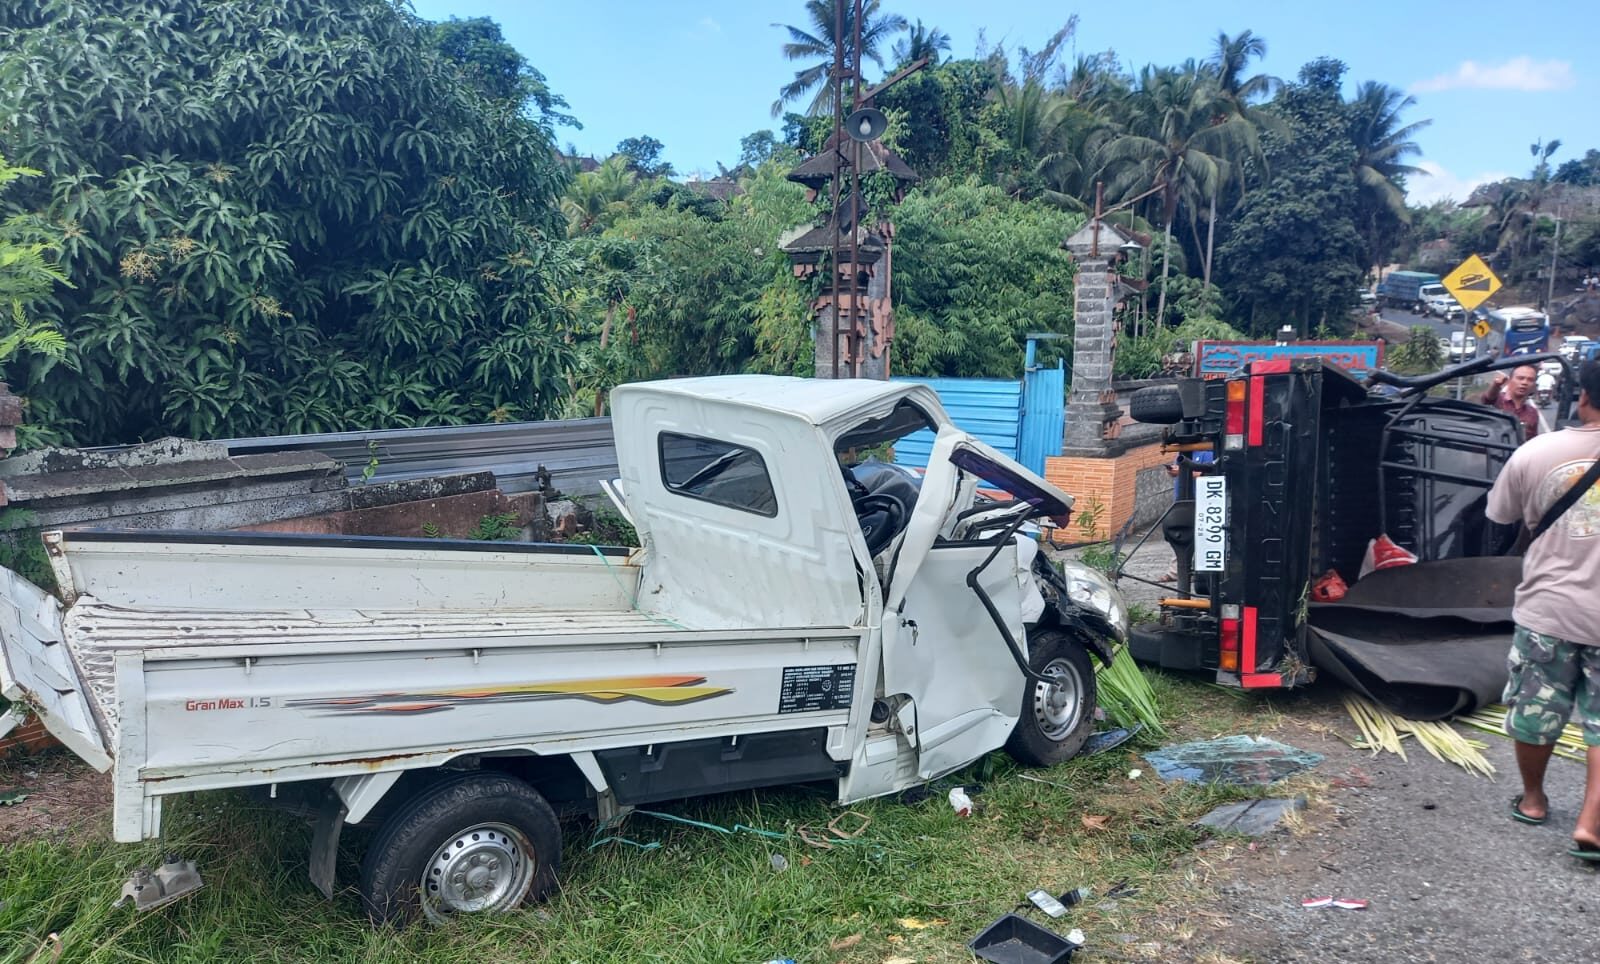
x=481 y=843
x=1056 y=719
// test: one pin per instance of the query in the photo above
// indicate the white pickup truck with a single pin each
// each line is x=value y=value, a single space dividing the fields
x=796 y=614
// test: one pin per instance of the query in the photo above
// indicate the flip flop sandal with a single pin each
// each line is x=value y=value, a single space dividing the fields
x=1520 y=817
x=1588 y=853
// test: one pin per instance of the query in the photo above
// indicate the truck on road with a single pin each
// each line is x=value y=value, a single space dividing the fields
x=1404 y=290
x=795 y=613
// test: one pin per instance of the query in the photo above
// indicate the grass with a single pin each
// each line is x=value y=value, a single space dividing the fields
x=701 y=897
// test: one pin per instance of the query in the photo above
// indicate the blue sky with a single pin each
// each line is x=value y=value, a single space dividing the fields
x=1493 y=77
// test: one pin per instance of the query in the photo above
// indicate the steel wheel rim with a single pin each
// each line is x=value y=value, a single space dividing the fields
x=1056 y=707
x=486 y=868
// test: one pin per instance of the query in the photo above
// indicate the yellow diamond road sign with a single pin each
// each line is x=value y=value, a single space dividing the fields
x=1472 y=282
x=1481 y=329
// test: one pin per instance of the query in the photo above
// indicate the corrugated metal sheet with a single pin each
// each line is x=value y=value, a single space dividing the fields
x=1044 y=415
x=989 y=408
x=577 y=452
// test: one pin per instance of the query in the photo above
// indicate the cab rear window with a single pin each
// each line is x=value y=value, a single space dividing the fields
x=715 y=471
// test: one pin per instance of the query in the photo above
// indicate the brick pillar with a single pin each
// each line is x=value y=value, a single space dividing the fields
x=1092 y=412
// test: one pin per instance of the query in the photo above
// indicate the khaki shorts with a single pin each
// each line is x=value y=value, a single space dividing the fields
x=1549 y=678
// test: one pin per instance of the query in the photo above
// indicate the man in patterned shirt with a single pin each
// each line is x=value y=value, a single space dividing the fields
x=1555 y=655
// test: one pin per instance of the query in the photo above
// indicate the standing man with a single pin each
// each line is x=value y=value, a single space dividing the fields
x=1555 y=654
x=1511 y=395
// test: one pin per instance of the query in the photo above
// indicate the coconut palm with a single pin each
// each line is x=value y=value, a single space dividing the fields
x=1383 y=142
x=596 y=197
x=1237 y=95
x=818 y=44
x=920 y=42
x=1178 y=139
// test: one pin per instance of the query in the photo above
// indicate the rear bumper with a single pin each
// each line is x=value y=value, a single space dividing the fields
x=1178 y=649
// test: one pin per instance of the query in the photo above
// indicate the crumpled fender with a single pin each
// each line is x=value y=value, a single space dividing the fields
x=1092 y=628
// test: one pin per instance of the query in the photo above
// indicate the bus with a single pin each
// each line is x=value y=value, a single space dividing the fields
x=1523 y=331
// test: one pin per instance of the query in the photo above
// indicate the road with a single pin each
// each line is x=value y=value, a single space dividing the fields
x=1409 y=320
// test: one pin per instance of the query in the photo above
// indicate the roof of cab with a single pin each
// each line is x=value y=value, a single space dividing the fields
x=816 y=400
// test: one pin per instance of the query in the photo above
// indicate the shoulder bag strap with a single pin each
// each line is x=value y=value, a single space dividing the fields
x=1568 y=499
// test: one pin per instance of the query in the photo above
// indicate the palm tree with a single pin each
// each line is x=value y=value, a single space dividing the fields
x=1382 y=144
x=1237 y=95
x=594 y=197
x=921 y=42
x=1178 y=138
x=818 y=45
x=1229 y=60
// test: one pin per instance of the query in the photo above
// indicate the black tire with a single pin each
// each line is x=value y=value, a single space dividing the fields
x=487 y=815
x=1035 y=742
x=1156 y=405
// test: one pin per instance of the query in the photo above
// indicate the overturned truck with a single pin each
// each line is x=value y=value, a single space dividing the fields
x=1310 y=467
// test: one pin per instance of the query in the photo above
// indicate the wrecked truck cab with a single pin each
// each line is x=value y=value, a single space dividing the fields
x=794 y=614
x=1311 y=465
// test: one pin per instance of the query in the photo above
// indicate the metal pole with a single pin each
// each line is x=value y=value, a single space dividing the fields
x=855 y=203
x=1550 y=297
x=838 y=131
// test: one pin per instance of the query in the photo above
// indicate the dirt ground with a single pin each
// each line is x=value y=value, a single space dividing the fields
x=63 y=795
x=1449 y=875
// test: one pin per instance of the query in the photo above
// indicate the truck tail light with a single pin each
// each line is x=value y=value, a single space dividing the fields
x=1230 y=637
x=1233 y=428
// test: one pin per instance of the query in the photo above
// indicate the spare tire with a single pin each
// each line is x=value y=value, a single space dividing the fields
x=1156 y=405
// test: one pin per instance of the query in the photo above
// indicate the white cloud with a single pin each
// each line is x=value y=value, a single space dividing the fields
x=1440 y=184
x=1518 y=73
x=710 y=25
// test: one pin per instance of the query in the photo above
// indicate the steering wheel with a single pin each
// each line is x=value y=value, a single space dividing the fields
x=880 y=514
x=881 y=517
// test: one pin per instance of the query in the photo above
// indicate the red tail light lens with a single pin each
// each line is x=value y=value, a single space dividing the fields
x=1229 y=657
x=1233 y=427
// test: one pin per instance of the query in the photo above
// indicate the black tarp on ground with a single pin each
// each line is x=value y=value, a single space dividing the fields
x=1428 y=641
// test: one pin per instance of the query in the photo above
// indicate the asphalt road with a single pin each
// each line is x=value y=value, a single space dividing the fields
x=1409 y=320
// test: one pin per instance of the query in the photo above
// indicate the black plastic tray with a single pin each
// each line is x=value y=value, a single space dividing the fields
x=1017 y=940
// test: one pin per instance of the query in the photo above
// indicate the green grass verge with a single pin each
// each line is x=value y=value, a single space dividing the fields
x=701 y=897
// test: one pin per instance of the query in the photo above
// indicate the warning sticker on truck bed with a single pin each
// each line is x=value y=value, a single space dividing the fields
x=807 y=689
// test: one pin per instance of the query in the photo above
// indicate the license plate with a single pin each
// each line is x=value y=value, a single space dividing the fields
x=1210 y=523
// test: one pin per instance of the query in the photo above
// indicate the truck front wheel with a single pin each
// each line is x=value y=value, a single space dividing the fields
x=1056 y=719
x=479 y=843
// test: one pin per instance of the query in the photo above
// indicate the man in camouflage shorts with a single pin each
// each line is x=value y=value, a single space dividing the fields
x=1555 y=655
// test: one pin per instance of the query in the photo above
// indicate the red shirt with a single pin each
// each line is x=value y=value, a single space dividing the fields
x=1525 y=413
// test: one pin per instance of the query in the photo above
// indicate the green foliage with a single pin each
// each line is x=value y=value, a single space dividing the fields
x=1418 y=355
x=1141 y=357
x=21 y=550
x=495 y=527
x=497 y=70
x=975 y=271
x=643 y=155
x=1293 y=254
x=609 y=528
x=285 y=217
x=28 y=275
x=1102 y=557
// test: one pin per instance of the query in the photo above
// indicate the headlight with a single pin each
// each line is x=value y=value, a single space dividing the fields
x=1093 y=591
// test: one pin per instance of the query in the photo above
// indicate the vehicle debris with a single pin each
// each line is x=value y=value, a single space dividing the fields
x=1241 y=761
x=149 y=889
x=1253 y=818
x=1013 y=939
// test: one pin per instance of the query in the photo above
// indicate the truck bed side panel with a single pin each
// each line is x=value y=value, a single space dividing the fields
x=358 y=711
